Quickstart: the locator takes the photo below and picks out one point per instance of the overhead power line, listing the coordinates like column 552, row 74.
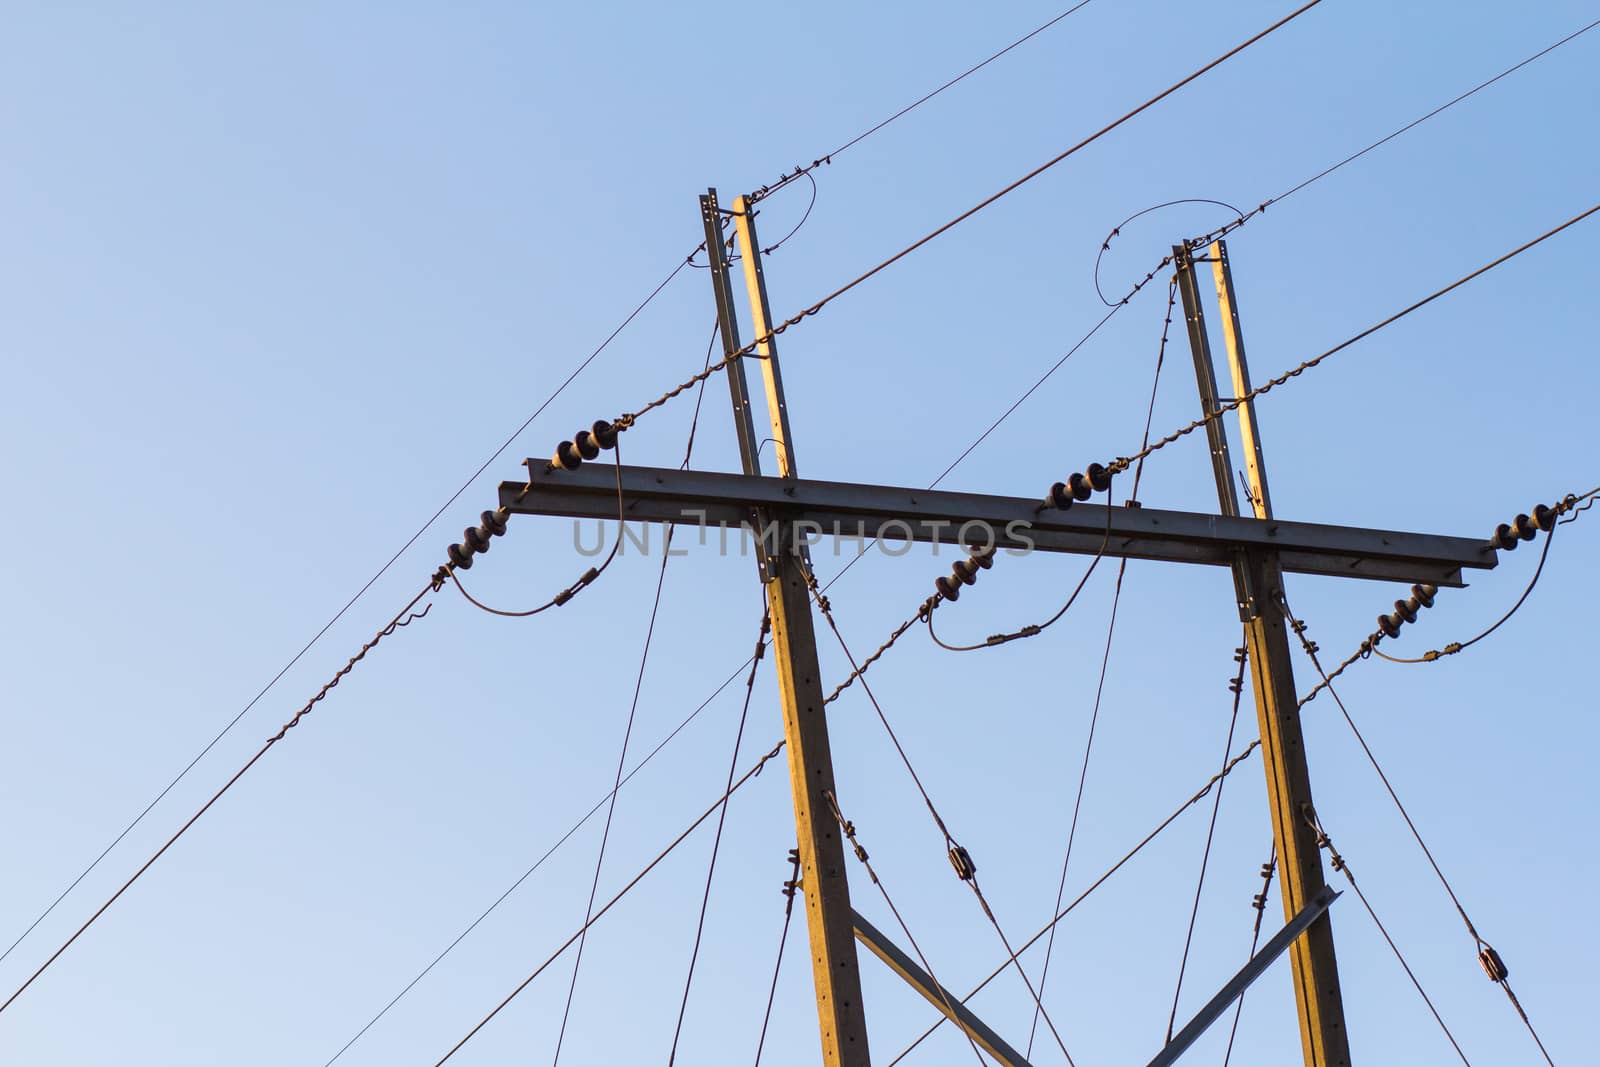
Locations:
column 600, row 912
column 628, row 419
column 1123, row 463
column 1244, row 217
column 359, row 593
column 404, row 617
column 805, row 171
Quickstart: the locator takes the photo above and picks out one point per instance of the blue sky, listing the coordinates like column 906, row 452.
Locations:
column 275, row 280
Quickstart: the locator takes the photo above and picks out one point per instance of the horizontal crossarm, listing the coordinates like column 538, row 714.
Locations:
column 729, row 501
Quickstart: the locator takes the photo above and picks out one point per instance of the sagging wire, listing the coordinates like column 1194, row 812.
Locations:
column 1122, row 463
column 476, row 540
column 1506, row 537
column 600, row 913
column 402, row 618
column 1340, row 865
column 965, row 572
column 848, row 828
column 1488, row 957
column 1116, row 231
column 1096, row 884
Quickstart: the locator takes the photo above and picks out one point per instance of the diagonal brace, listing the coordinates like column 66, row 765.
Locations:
column 947, row 1002
column 1248, row 973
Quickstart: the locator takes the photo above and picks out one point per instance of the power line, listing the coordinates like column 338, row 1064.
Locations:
column 1487, row 956
column 1570, row 503
column 1414, row 123
column 1236, row 684
column 627, row 420
column 849, row 830
column 1122, row 463
column 1105, row 656
column 601, row 911
column 805, row 172
column 965, row 869
column 1259, row 903
column 528, row 873
column 716, row 842
column 1094, row 885
column 633, row 709
column 368, row 584
column 789, row 889
column 404, row 617
column 1244, row 217
column 1339, row 864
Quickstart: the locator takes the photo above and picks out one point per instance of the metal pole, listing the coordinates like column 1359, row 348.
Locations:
column 761, row 321
column 1259, row 590
column 835, row 968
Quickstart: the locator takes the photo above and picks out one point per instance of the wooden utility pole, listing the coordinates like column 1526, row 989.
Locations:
column 805, row 725
column 1258, row 584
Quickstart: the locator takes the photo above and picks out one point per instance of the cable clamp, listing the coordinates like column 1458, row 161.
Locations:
column 961, row 860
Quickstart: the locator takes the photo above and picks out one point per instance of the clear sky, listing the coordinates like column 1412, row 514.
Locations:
column 275, row 279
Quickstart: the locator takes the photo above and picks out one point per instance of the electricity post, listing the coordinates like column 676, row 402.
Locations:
column 1258, row 585
column 1258, row 548
column 794, row 642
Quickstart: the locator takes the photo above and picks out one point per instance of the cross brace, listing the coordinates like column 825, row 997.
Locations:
column 729, row 501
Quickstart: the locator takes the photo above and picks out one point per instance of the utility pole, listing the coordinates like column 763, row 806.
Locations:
column 1258, row 585
column 1258, row 547
column 805, row 725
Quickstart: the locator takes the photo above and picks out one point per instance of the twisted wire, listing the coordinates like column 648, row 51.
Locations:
column 345, row 608
column 627, row 420
column 1243, row 217
column 1122, row 463
column 402, row 618
column 805, row 172
column 1271, row 200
